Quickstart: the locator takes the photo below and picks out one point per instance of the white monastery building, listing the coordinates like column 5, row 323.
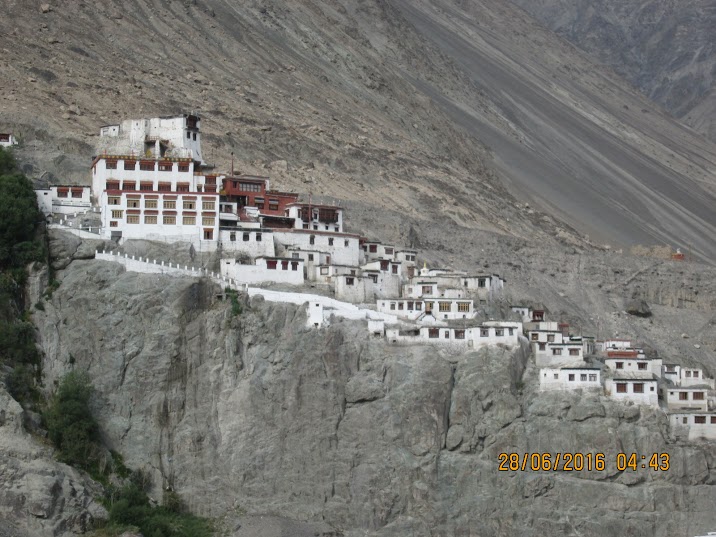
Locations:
column 639, row 388
column 7, row 139
column 571, row 377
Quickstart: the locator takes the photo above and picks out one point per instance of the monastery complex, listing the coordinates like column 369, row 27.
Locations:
column 150, row 181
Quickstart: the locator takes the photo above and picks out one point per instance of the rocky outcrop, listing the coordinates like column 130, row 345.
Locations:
column 39, row 496
column 257, row 414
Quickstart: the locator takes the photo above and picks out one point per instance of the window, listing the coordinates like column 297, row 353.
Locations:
column 164, row 187
column 133, row 204
column 117, row 214
column 374, row 277
column 619, row 365
column 459, row 334
column 392, row 306
column 208, row 206
column 324, row 271
column 550, row 338
column 284, row 265
column 165, row 166
column 592, row 377
column 463, row 307
column 683, row 396
column 312, row 239
column 713, row 420
column 641, row 366
column 389, row 251
column 183, row 168
column 621, row 388
column 76, row 193
column 112, row 185
column 395, row 269
column 688, row 374
column 418, row 305
column 373, row 248
column 130, row 165
column 447, row 334
column 194, row 136
column 113, row 200
column 571, row 377
column 345, row 243
column 111, row 164
column 699, row 420
column 169, row 220
column 542, row 346
column 133, row 219
column 484, row 332
column 410, row 306
column 189, row 220
column 330, row 242
column 556, row 375
column 534, row 336
column 129, row 185
column 208, row 235
column 444, row 306
column 574, row 352
column 189, row 205
column 638, row 387
column 698, row 396
column 557, row 352
column 427, row 289
column 271, row 264
column 310, row 257
column 400, row 305
column 433, row 333
column 114, row 223
column 583, row 377
column 696, row 374
column 250, row 187
column 294, row 265
column 384, row 265
column 684, row 420
column 170, row 204
column 499, row 332
column 512, row 331
column 146, row 166
column 182, row 187
column 481, row 282
column 150, row 219
column 246, row 237
column 150, row 204
column 146, row 186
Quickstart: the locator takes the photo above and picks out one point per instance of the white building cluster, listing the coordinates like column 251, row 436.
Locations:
column 150, row 181
column 624, row 373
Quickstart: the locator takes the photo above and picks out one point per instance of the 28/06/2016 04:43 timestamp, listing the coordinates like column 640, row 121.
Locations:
column 577, row 462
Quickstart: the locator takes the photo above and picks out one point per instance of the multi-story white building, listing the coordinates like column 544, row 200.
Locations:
column 64, row 199
column 557, row 354
column 316, row 217
column 492, row 333
column 162, row 200
column 439, row 309
column 686, row 376
column 340, row 248
column 264, row 270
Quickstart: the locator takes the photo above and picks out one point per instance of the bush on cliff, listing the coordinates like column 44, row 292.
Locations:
column 70, row 424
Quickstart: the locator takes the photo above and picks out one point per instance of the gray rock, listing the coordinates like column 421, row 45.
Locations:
column 638, row 308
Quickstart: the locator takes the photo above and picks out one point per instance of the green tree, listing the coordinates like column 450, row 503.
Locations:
column 70, row 424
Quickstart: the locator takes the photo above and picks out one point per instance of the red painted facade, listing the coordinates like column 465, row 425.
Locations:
column 250, row 191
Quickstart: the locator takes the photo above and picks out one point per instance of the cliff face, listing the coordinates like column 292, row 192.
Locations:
column 256, row 414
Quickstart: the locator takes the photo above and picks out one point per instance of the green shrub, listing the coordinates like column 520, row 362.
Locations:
column 70, row 424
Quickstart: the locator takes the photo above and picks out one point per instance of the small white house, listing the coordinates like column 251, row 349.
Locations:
column 557, row 354
column 473, row 337
column 265, row 270
column 639, row 388
column 523, row 311
column 314, row 312
column 689, row 376
column 693, row 425
column 633, row 365
column 64, row 199
column 686, row 398
column 7, row 139
column 572, row 377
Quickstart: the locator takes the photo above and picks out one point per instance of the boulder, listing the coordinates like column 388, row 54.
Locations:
column 638, row 308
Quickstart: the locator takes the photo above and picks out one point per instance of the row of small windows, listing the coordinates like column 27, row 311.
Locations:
column 637, row 387
column 460, row 334
column 147, row 166
column 166, row 219
column 572, row 377
column 246, row 237
column 189, row 205
column 76, row 193
column 462, row 307
column 331, row 241
column 161, row 187
column 307, row 226
column 272, row 264
column 699, row 420
column 684, row 396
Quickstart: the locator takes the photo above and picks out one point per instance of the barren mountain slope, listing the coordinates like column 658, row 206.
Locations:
column 665, row 48
column 387, row 103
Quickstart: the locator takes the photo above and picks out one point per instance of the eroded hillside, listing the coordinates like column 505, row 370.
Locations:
column 438, row 111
